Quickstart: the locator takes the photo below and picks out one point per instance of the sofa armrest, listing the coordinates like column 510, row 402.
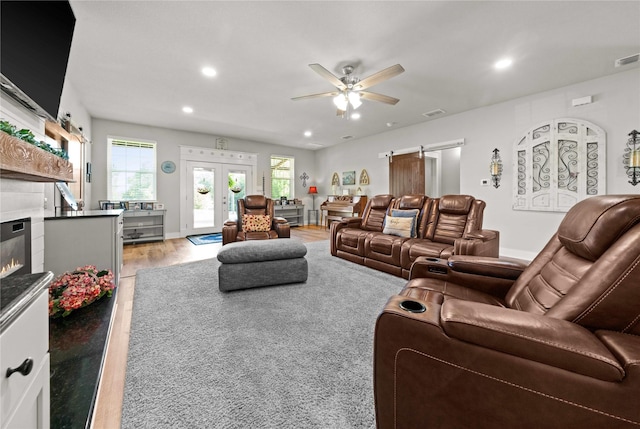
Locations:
column 485, row 242
column 229, row 232
column 350, row 222
column 279, row 220
column 550, row 341
column 281, row 227
column 505, row 268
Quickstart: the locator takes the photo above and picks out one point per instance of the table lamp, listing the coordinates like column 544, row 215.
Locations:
column 313, row 190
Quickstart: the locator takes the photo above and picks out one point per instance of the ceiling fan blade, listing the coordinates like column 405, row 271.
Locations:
column 333, row 79
column 322, row 94
column 379, row 77
column 378, row 97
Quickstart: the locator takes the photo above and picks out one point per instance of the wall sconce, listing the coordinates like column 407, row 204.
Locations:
column 496, row 168
column 390, row 156
column 631, row 158
column 421, row 150
column 313, row 190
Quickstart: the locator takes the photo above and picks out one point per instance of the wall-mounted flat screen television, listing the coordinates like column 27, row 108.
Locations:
column 35, row 41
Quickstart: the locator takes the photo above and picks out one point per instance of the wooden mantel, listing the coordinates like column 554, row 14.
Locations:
column 23, row 161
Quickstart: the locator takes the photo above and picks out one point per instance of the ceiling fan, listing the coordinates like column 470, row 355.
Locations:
column 350, row 89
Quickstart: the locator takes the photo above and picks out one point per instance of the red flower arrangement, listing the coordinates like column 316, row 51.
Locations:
column 78, row 288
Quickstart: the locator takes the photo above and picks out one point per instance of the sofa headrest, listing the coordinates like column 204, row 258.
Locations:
column 455, row 204
column 255, row 201
column 381, row 201
column 591, row 226
column 408, row 202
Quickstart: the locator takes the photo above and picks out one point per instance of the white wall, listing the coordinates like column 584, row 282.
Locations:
column 616, row 108
column 70, row 103
column 168, row 148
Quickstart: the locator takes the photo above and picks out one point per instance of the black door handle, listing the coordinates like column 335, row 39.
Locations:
column 24, row 369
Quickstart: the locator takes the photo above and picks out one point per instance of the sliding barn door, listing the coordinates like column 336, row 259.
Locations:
column 406, row 174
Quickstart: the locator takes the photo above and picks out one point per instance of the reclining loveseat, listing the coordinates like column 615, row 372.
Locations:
column 442, row 227
column 477, row 342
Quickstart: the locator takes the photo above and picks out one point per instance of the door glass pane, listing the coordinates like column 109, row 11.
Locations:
column 203, row 197
column 237, row 190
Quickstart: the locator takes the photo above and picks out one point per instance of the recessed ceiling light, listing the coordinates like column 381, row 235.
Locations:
column 187, row 109
column 391, row 124
column 503, row 63
column 209, row 71
column 355, row 116
column 308, row 133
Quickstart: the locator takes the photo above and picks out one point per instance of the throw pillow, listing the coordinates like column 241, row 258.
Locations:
column 256, row 223
column 413, row 213
column 400, row 226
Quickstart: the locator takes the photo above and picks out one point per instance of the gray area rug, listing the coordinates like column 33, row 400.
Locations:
column 290, row 356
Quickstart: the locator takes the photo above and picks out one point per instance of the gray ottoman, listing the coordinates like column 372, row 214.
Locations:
column 254, row 263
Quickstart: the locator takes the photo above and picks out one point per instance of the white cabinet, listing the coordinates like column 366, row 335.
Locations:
column 86, row 238
column 143, row 225
column 293, row 213
column 24, row 398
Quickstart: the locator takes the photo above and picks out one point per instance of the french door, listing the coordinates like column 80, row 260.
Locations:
column 211, row 194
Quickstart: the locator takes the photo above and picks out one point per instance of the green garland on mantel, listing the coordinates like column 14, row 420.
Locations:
column 27, row 136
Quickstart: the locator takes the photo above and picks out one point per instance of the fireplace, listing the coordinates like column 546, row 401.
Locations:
column 15, row 247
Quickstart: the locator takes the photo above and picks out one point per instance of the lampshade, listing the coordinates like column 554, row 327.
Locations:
column 340, row 101
column 313, row 190
column 354, row 99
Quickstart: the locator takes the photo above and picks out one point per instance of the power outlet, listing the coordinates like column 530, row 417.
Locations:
column 484, row 182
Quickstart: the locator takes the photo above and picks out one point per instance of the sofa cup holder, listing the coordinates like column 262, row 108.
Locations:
column 412, row 306
column 433, row 259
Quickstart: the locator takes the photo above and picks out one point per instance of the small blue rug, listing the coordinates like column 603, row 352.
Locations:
column 205, row 238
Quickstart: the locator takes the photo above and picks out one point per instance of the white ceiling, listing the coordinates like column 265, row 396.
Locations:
column 140, row 61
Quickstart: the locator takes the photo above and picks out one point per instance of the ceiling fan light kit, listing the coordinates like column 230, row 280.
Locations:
column 350, row 88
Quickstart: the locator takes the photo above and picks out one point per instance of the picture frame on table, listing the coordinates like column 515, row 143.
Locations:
column 146, row 206
column 158, row 206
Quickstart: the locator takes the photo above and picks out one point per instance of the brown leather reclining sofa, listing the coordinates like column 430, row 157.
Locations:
column 446, row 226
column 489, row 343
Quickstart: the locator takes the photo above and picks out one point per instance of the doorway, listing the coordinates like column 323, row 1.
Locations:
column 212, row 191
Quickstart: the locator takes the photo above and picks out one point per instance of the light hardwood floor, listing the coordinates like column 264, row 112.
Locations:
column 108, row 411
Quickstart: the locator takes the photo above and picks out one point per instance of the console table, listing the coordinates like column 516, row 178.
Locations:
column 293, row 213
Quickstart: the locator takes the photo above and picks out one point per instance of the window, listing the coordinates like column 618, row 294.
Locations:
column 132, row 170
column 282, row 175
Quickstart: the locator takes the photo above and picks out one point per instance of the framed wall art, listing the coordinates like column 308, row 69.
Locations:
column 348, row 178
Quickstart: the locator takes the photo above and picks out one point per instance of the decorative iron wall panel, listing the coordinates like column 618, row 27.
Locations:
column 558, row 163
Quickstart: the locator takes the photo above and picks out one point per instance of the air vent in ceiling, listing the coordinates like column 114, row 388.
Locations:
column 434, row 113
column 347, row 137
column 627, row 60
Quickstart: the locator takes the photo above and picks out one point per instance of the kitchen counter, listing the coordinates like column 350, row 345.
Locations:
column 17, row 292
column 85, row 214
column 78, row 345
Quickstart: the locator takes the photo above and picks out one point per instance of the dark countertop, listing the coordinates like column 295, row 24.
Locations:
column 77, row 347
column 17, row 292
column 85, row 213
